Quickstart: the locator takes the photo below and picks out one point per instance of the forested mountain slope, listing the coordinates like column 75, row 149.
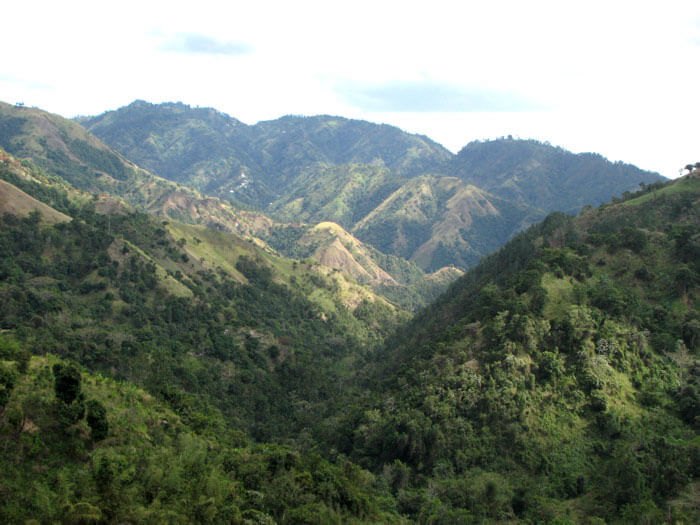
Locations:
column 189, row 312
column 232, row 343
column 555, row 382
column 256, row 164
column 66, row 150
column 545, row 177
column 325, row 168
column 62, row 147
column 558, row 378
column 79, row 447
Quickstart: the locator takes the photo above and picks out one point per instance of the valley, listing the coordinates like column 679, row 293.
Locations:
column 324, row 320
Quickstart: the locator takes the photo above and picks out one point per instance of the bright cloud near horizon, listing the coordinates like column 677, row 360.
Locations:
column 618, row 78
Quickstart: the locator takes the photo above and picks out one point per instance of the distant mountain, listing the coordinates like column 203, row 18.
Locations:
column 202, row 148
column 220, row 155
column 393, row 277
column 58, row 146
column 362, row 176
column 437, row 221
column 289, row 145
column 545, row 177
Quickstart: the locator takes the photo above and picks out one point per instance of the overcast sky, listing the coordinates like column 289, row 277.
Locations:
column 618, row 78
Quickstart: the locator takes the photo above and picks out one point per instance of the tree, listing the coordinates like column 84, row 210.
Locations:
column 97, row 420
column 70, row 406
column 67, row 382
column 7, row 383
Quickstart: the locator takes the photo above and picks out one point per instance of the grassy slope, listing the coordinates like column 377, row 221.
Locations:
column 16, row 202
column 434, row 221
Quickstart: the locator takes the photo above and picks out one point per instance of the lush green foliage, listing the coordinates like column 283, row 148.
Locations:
column 556, row 382
column 96, row 292
column 148, row 466
column 545, row 177
column 371, row 179
column 257, row 164
column 558, row 377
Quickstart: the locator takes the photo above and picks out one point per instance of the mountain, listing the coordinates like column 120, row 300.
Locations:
column 231, row 342
column 57, row 146
column 545, row 177
column 200, row 147
column 438, row 221
column 228, row 322
column 325, row 168
column 153, row 369
column 221, row 156
column 62, row 148
column 559, row 377
column 433, row 221
column 393, row 277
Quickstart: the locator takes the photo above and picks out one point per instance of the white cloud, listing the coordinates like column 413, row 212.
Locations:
column 618, row 77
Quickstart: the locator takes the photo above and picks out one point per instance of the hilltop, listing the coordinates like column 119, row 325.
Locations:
column 65, row 150
column 328, row 168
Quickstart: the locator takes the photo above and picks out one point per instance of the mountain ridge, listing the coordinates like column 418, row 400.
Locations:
column 46, row 137
column 329, row 168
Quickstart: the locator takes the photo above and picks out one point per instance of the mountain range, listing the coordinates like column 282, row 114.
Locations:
column 167, row 355
column 62, row 147
column 403, row 193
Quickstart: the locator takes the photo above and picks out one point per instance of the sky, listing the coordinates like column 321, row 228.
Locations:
column 617, row 78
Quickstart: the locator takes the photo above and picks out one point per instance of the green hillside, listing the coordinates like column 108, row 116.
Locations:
column 175, row 367
column 438, row 221
column 325, row 168
column 558, row 380
column 44, row 138
column 224, row 319
column 545, row 177
column 61, row 148
column 84, row 448
column 221, row 156
column 200, row 147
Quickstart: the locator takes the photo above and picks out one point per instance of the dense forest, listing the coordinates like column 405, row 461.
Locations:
column 402, row 193
column 153, row 370
column 557, row 381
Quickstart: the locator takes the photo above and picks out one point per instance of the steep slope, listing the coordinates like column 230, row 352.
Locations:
column 63, row 148
column 130, row 459
column 228, row 322
column 16, row 202
column 47, row 134
column 545, row 177
column 200, row 147
column 323, row 168
column 221, row 156
column 395, row 278
column 338, row 193
column 437, row 221
column 335, row 248
column 557, row 380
